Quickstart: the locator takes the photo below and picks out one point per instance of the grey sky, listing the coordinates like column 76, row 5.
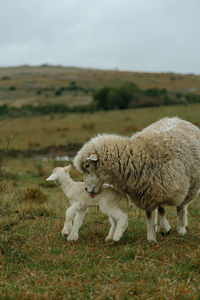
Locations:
column 138, row 35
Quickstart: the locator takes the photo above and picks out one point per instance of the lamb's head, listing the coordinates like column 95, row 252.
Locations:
column 59, row 173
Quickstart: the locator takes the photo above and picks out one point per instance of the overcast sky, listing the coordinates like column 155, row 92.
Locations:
column 137, row 35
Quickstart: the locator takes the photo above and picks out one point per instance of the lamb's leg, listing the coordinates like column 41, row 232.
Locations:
column 162, row 225
column 112, row 229
column 181, row 218
column 151, row 236
column 70, row 214
column 78, row 221
column 122, row 223
column 111, row 209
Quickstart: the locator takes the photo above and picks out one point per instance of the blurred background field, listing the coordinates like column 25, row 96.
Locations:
column 73, row 86
column 35, row 261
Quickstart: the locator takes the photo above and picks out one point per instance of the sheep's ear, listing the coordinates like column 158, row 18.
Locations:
column 93, row 157
column 67, row 169
column 52, row 177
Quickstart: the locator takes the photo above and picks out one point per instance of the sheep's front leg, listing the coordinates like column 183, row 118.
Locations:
column 151, row 236
column 70, row 214
column 112, row 229
column 162, row 225
column 78, row 221
column 181, row 219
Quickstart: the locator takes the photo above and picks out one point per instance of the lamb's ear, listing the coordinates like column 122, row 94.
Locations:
column 93, row 157
column 67, row 169
column 52, row 177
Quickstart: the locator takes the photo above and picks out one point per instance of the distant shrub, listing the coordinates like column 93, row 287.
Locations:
column 73, row 86
column 58, row 92
column 4, row 110
column 115, row 98
column 178, row 95
column 12, row 88
column 155, row 92
column 5, row 78
column 101, row 97
column 192, row 98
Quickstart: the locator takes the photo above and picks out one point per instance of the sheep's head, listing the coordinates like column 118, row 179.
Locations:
column 93, row 183
column 58, row 173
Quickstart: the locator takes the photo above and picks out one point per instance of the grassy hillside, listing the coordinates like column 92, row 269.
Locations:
column 44, row 85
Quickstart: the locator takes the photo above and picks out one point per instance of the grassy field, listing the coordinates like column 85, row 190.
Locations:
column 40, row 132
column 38, row 263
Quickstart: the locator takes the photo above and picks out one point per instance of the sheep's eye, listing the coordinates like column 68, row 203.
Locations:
column 87, row 167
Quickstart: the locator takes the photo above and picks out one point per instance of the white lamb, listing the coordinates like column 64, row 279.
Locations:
column 107, row 201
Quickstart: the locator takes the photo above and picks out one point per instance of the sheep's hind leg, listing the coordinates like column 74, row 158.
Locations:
column 181, row 219
column 151, row 236
column 112, row 229
column 162, row 225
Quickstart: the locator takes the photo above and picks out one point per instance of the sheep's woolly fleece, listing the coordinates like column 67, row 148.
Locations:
column 158, row 166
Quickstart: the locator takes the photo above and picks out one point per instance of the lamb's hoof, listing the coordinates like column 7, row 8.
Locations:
column 116, row 238
column 165, row 233
column 72, row 238
column 152, row 240
column 64, row 234
column 108, row 239
column 115, row 243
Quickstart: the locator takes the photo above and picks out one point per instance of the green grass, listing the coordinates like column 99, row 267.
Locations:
column 36, row 262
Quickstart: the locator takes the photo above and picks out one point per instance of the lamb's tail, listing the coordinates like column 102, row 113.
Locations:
column 129, row 203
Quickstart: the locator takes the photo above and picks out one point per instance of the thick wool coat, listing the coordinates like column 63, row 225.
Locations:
column 158, row 166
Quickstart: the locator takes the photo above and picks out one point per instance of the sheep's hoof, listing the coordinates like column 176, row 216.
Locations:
column 181, row 230
column 165, row 233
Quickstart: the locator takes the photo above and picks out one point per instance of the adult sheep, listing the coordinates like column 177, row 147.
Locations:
column 156, row 167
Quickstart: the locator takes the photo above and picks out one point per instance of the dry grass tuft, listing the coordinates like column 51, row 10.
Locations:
column 33, row 194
